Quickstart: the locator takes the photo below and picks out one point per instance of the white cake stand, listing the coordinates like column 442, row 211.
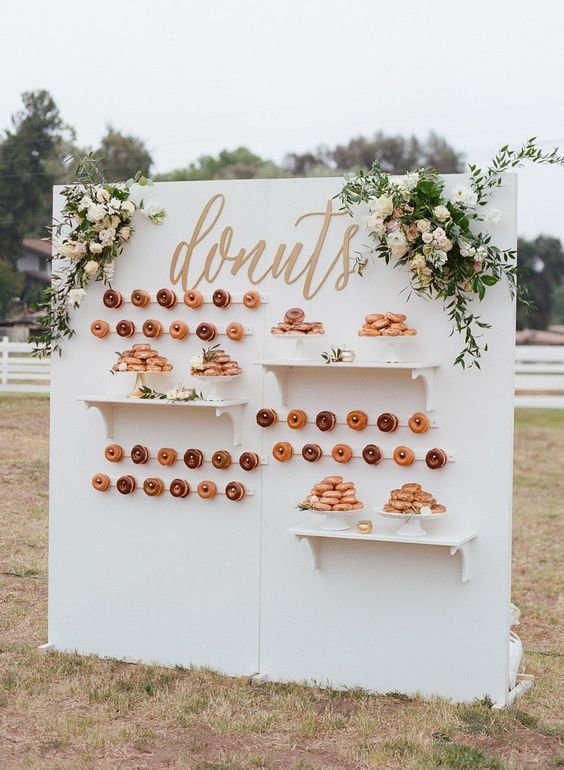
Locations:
column 410, row 522
column 297, row 348
column 334, row 520
column 389, row 347
column 219, row 385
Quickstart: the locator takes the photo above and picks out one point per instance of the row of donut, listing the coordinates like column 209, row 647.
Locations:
column 434, row 459
column 357, row 420
column 193, row 458
column 154, row 487
column 167, row 298
column 178, row 330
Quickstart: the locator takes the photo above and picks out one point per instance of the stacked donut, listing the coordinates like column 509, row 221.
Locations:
column 216, row 363
column 333, row 494
column 386, row 325
column 412, row 498
column 294, row 323
column 141, row 358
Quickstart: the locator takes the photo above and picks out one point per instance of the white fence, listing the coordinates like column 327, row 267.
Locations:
column 20, row 371
column 539, row 373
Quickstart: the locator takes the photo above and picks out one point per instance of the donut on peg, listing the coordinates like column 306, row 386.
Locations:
column 140, row 298
column 193, row 458
column 125, row 485
column 166, row 298
column 125, row 328
column 139, row 454
column 312, row 452
column 152, row 328
column 166, row 456
column 404, row 456
column 251, row 299
column 207, row 489
column 357, row 420
column 326, row 421
column 179, row 488
column 296, row 419
column 342, row 453
column 294, row 315
column 436, row 458
column 100, row 482
column 221, row 298
column 372, row 454
column 387, row 422
column 206, row 331
column 113, row 453
column 235, row 491
column 178, row 330
column 249, row 461
column 266, row 417
column 153, row 487
column 419, row 422
column 282, row 451
column 221, row 459
column 112, row 299
column 235, row 331
column 100, row 328
column 193, row 298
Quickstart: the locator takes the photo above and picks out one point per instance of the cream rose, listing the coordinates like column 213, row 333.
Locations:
column 95, row 248
column 423, row 225
column 91, row 266
column 397, row 243
column 441, row 213
column 383, row 206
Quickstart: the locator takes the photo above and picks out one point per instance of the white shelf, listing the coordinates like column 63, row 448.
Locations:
column 282, row 367
column 106, row 404
column 455, row 541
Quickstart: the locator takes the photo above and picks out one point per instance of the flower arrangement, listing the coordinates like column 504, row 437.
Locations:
column 181, row 394
column 207, row 356
column 438, row 239
column 335, row 356
column 96, row 224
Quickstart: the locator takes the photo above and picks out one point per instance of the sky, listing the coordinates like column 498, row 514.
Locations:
column 193, row 78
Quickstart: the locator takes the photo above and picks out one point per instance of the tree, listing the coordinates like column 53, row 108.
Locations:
column 11, row 285
column 27, row 173
column 543, row 261
column 122, row 156
column 229, row 164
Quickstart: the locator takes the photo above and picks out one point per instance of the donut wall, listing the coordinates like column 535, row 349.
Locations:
column 224, row 531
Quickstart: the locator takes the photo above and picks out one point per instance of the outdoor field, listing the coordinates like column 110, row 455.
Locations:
column 77, row 713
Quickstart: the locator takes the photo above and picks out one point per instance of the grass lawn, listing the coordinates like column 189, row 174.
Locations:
column 76, row 713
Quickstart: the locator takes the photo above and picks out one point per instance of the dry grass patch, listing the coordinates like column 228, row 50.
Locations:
column 70, row 712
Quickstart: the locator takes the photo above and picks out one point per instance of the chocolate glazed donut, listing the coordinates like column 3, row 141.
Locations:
column 125, row 328
column 193, row 458
column 179, row 488
column 235, row 491
column 139, row 454
column 206, row 332
column 436, row 458
column 249, row 461
column 312, row 452
column 221, row 298
column 126, row 485
column 387, row 422
column 266, row 417
column 325, row 421
column 221, row 459
column 372, row 454
column 166, row 298
column 112, row 298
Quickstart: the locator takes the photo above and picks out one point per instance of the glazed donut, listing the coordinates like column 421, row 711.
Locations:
column 235, row 491
column 296, row 419
column 419, row 422
column 166, row 298
column 193, row 458
column 178, row 330
column 235, row 331
column 140, row 298
column 282, row 451
column 326, row 421
column 436, row 458
column 251, row 299
column 179, row 488
column 294, row 315
column 101, row 482
column 100, row 329
column 112, row 298
column 166, row 456
column 387, row 422
column 193, row 298
column 221, row 298
column 403, row 455
column 266, row 417
column 152, row 328
column 342, row 453
column 206, row 332
column 126, row 485
column 207, row 489
column 221, row 459
column 125, row 328
column 372, row 454
column 139, row 454
column 153, row 487
column 357, row 420
column 113, row 453
column 249, row 461
column 312, row 452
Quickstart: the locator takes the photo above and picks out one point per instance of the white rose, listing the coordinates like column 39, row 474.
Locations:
column 471, row 198
column 74, row 297
column 114, row 222
column 85, row 203
column 154, row 211
column 383, row 206
column 197, row 362
column 96, row 213
column 397, row 243
column 441, row 213
column 427, row 237
column 128, row 207
column 107, row 236
column 115, row 204
column 439, row 257
column 66, row 250
column 95, row 248
column 494, row 216
column 438, row 233
column 423, row 225
column 125, row 233
column 410, row 180
column 173, row 395
column 375, row 224
column 445, row 244
column 91, row 266
column 102, row 195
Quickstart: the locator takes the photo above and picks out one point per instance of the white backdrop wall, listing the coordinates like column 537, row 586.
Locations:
column 223, row 584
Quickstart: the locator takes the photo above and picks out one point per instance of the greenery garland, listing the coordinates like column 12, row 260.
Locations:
column 413, row 224
column 96, row 224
